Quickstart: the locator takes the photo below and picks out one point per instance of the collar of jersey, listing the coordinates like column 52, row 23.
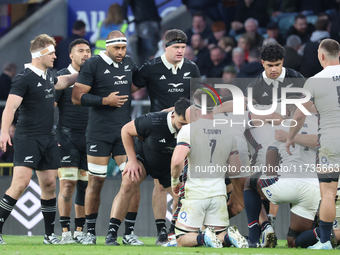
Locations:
column 107, row 59
column 36, row 70
column 171, row 128
column 270, row 81
column 71, row 69
column 171, row 66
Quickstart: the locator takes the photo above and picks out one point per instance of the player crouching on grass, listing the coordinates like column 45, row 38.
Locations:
column 203, row 197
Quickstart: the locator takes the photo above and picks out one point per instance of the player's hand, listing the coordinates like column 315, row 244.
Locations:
column 175, row 189
column 236, row 25
column 133, row 170
column 289, row 143
column 4, row 139
column 114, row 100
column 281, row 135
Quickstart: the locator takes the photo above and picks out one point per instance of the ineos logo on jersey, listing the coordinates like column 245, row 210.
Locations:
column 175, row 89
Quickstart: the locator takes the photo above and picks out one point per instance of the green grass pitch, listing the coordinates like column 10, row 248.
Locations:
column 33, row 245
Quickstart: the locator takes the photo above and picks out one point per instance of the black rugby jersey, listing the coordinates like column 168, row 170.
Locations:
column 104, row 76
column 70, row 115
column 262, row 92
column 158, row 139
column 164, row 87
column 36, row 112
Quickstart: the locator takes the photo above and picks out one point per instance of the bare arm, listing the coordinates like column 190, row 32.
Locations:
column 272, row 160
column 65, row 81
column 308, row 140
column 80, row 96
column 134, row 88
column 133, row 169
column 12, row 104
column 300, row 118
column 177, row 165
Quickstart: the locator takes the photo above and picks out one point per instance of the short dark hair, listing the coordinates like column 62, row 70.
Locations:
column 78, row 25
column 200, row 14
column 76, row 42
column 299, row 16
column 321, row 24
column 181, row 106
column 272, row 52
column 175, row 34
column 331, row 46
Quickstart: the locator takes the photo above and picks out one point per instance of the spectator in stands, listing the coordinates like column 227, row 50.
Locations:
column 217, row 57
column 238, row 58
column 227, row 44
column 293, row 59
column 210, row 8
column 189, row 53
column 245, row 42
column 314, row 7
column 63, row 59
column 229, row 74
column 201, row 52
column 301, row 28
column 251, row 26
column 10, row 69
column 218, row 29
column 147, row 27
column 277, row 8
column 199, row 26
column 113, row 21
column 251, row 69
column 273, row 32
column 310, row 59
column 268, row 40
column 249, row 9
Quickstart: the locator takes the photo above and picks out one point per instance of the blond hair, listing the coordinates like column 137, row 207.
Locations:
column 41, row 41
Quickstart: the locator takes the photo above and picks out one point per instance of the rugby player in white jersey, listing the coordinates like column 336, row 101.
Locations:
column 325, row 93
column 204, row 201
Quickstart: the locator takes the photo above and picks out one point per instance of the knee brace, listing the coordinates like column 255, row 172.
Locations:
column 68, row 173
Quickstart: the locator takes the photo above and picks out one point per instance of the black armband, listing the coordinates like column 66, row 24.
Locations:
column 91, row 100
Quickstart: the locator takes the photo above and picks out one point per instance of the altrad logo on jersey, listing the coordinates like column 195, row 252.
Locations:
column 175, row 87
column 120, row 82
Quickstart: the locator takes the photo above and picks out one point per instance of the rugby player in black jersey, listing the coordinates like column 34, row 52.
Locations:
column 35, row 146
column 72, row 150
column 151, row 155
column 105, row 84
column 274, row 76
column 167, row 78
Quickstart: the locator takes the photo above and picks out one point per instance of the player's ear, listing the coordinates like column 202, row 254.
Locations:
column 71, row 56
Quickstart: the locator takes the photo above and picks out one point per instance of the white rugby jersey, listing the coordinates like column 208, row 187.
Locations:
column 325, row 91
column 301, row 164
column 209, row 149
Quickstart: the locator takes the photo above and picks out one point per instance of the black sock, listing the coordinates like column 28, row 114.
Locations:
column 226, row 240
column 325, row 230
column 200, row 239
column 160, row 223
column 65, row 223
column 172, row 226
column 252, row 202
column 79, row 223
column 49, row 209
column 264, row 225
column 130, row 220
column 91, row 223
column 6, row 206
column 114, row 226
column 307, row 238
